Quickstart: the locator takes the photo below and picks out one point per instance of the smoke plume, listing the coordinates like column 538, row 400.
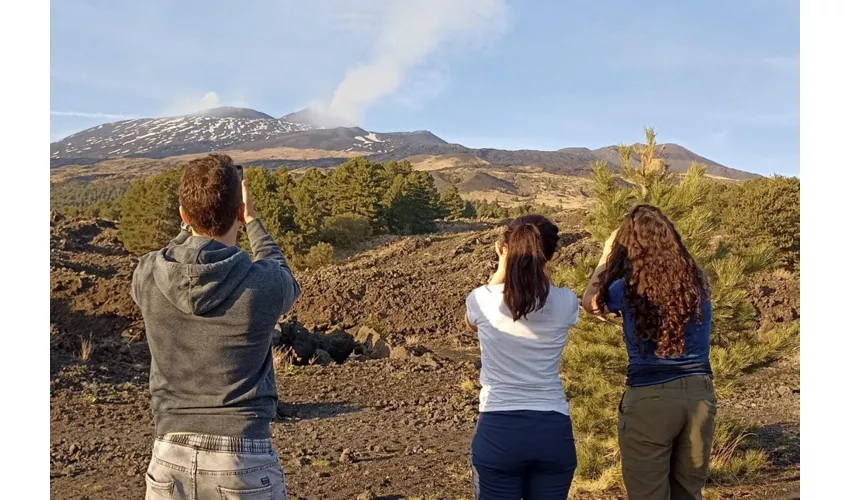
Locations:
column 410, row 32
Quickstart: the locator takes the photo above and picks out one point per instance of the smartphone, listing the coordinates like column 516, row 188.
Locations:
column 239, row 172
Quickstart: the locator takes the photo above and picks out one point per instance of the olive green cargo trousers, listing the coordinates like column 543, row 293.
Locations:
column 665, row 435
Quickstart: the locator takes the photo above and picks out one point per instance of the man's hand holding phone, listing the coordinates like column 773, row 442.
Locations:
column 247, row 214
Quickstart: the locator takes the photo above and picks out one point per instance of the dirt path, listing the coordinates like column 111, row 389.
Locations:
column 406, row 424
column 407, row 427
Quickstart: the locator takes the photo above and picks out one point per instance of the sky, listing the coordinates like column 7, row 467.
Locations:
column 720, row 78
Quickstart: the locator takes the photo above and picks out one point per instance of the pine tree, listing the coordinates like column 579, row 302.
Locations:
column 469, row 210
column 285, row 187
column 356, row 187
column 412, row 203
column 309, row 201
column 263, row 187
column 150, row 217
column 392, row 169
column 594, row 360
column 686, row 203
column 453, row 205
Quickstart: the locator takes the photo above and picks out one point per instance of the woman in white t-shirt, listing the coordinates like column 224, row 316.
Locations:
column 523, row 445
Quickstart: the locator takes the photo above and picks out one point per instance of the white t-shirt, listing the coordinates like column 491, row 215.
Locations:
column 520, row 360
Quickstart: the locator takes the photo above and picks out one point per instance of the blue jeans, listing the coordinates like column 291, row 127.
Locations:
column 523, row 454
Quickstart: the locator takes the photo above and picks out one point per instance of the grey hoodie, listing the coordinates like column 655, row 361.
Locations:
column 209, row 314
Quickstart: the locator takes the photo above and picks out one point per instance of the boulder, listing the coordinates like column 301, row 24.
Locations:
column 374, row 346
column 428, row 360
column 303, row 342
column 380, row 350
column 399, row 352
column 367, row 336
column 347, row 456
column 338, row 345
column 276, row 335
column 321, row 357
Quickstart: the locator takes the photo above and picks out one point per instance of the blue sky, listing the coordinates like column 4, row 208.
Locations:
column 720, row 78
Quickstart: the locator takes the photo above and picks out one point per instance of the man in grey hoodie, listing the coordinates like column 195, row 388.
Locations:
column 209, row 315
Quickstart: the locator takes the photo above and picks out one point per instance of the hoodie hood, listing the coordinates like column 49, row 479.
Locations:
column 199, row 274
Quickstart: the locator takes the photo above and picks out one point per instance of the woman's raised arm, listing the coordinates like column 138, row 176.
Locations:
column 590, row 301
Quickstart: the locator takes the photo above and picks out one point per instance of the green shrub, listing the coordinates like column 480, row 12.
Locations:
column 150, row 217
column 765, row 211
column 752, row 350
column 84, row 194
column 320, row 255
column 346, row 230
column 101, row 199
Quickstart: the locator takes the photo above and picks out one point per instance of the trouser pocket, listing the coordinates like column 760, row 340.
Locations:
column 157, row 489
column 265, row 493
column 258, row 483
column 621, row 417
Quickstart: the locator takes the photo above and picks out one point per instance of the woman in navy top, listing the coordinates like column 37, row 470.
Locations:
column 666, row 415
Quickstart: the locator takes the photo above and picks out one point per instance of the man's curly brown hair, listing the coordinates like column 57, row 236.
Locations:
column 664, row 287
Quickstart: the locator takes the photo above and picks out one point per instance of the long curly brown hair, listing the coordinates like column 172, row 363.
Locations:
column 664, row 287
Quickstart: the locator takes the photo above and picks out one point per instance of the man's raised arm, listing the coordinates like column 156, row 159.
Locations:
column 264, row 247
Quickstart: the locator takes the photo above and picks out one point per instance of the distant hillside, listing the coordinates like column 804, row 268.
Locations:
column 248, row 130
column 679, row 159
column 212, row 130
column 481, row 181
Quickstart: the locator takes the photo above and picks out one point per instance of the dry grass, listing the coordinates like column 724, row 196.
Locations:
column 731, row 459
column 783, row 274
column 320, row 462
column 729, row 363
column 459, row 473
column 282, row 359
column 412, row 340
column 375, row 323
column 86, row 348
column 710, row 494
column 468, row 386
column 606, row 480
column 592, row 370
column 429, row 163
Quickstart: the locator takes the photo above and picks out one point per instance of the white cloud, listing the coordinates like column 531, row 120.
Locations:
column 184, row 106
column 86, row 114
column 210, row 100
column 408, row 33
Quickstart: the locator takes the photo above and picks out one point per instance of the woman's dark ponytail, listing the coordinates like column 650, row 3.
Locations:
column 531, row 241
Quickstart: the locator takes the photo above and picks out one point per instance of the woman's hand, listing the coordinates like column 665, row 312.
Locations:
column 608, row 247
column 590, row 301
column 499, row 276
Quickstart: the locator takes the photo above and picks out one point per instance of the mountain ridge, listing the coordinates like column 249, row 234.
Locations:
column 245, row 129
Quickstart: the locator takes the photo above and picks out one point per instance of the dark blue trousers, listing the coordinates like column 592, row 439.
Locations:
column 523, row 454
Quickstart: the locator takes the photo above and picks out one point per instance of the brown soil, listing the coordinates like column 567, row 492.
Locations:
column 407, row 423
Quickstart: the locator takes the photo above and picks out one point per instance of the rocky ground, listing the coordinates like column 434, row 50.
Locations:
column 395, row 427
